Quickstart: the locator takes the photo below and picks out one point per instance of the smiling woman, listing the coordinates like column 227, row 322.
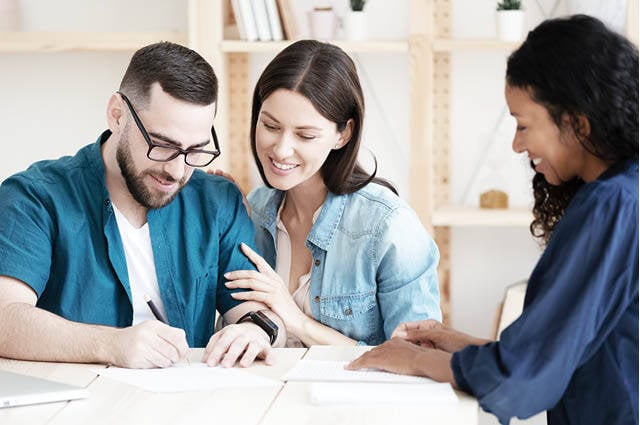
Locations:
column 573, row 88
column 346, row 259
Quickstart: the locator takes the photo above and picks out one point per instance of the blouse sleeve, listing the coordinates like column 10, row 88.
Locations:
column 576, row 295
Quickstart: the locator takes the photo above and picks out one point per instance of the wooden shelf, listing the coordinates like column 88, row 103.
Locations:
column 240, row 46
column 469, row 216
column 82, row 41
column 454, row 45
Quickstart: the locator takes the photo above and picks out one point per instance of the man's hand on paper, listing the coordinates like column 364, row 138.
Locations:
column 267, row 288
column 243, row 342
column 432, row 334
column 149, row 344
column 403, row 357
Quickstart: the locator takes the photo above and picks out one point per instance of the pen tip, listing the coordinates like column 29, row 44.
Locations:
column 147, row 298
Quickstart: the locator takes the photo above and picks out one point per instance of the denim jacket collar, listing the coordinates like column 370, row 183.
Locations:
column 269, row 214
column 323, row 230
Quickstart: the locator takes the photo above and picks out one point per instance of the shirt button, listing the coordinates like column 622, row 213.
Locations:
column 347, row 312
column 106, row 202
column 317, row 263
column 317, row 298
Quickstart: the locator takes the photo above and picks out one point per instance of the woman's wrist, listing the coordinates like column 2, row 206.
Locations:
column 298, row 325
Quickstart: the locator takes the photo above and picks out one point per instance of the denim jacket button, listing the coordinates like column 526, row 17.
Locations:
column 317, row 298
column 317, row 263
column 347, row 312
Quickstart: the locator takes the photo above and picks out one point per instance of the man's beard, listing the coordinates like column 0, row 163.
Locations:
column 135, row 181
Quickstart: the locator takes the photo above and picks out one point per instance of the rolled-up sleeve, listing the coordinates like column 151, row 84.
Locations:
column 25, row 233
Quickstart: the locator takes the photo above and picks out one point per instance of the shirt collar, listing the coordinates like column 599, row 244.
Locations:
column 325, row 225
column 324, row 229
column 270, row 213
column 96, row 163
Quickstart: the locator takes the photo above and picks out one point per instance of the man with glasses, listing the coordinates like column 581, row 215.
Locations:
column 117, row 255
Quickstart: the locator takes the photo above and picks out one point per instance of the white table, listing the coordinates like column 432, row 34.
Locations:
column 112, row 402
column 69, row 373
column 293, row 405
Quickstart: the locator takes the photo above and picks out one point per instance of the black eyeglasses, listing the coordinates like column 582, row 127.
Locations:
column 164, row 153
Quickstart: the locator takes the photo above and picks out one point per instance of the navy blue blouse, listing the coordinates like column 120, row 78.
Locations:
column 574, row 350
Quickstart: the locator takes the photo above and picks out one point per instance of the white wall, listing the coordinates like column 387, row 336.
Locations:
column 53, row 103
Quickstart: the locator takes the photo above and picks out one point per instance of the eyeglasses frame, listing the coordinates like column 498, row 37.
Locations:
column 178, row 151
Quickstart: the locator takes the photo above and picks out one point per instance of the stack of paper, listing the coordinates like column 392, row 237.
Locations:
column 374, row 393
column 194, row 377
column 323, row 371
column 333, row 384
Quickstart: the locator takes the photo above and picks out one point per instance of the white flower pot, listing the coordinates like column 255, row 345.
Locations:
column 509, row 24
column 322, row 24
column 9, row 15
column 355, row 25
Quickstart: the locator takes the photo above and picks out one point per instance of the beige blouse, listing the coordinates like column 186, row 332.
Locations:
column 283, row 268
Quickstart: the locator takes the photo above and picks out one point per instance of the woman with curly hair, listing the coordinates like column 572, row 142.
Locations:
column 573, row 88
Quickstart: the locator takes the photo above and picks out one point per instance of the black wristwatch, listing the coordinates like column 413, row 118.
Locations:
column 261, row 319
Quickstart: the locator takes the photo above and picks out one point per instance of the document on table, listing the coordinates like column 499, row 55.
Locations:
column 193, row 377
column 333, row 371
column 376, row 393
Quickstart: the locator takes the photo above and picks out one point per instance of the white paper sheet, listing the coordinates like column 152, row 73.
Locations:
column 332, row 371
column 183, row 377
column 376, row 393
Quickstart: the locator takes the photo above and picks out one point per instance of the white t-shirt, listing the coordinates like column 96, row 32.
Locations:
column 141, row 268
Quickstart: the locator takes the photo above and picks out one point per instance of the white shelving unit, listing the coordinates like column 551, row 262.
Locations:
column 428, row 47
column 239, row 46
column 42, row 42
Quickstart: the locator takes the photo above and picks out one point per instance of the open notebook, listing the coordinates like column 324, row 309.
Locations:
column 18, row 390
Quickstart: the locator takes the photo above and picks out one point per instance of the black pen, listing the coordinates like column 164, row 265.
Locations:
column 154, row 309
column 158, row 316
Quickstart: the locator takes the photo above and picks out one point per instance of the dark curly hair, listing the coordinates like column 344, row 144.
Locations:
column 576, row 66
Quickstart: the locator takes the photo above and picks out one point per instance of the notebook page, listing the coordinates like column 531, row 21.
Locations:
column 333, row 371
column 183, row 377
column 376, row 393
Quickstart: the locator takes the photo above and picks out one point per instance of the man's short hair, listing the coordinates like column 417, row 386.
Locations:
column 180, row 71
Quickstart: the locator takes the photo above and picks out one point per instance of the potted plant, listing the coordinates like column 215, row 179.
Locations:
column 322, row 20
column 355, row 22
column 509, row 19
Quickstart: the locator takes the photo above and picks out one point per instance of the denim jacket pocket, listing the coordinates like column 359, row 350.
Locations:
column 348, row 307
column 354, row 315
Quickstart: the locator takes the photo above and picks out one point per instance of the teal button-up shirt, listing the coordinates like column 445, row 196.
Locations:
column 59, row 235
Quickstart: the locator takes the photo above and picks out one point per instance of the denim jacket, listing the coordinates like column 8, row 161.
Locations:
column 374, row 265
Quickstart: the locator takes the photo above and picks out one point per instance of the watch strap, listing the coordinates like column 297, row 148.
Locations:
column 266, row 324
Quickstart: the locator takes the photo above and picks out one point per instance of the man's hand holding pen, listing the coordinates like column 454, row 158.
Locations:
column 148, row 345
